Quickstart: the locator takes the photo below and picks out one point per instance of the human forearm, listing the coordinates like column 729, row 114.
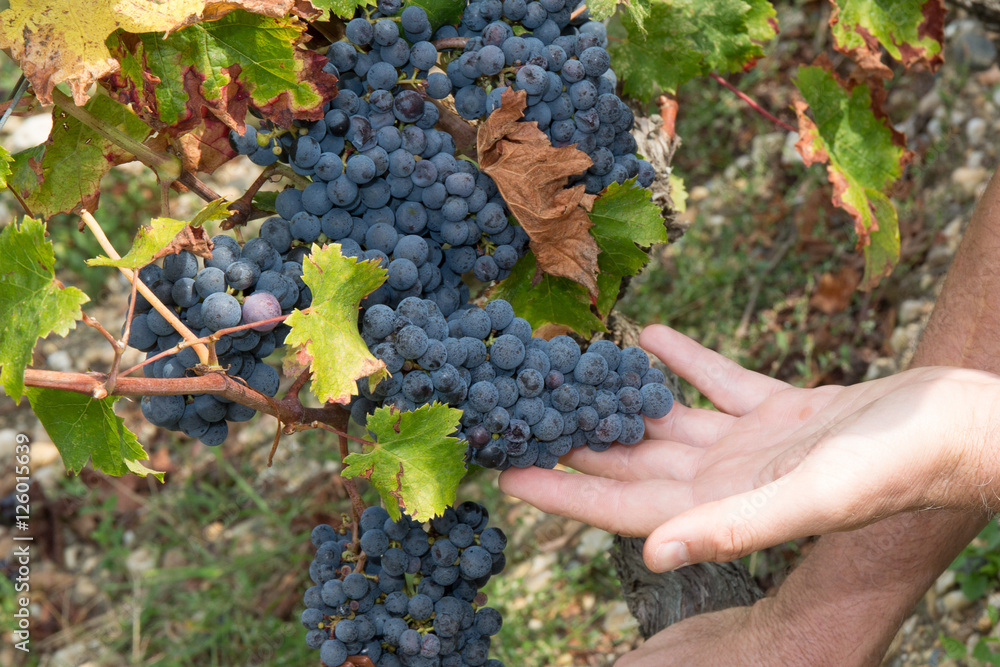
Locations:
column 861, row 585
column 854, row 590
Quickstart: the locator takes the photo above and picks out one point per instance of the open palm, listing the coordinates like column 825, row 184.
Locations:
column 773, row 463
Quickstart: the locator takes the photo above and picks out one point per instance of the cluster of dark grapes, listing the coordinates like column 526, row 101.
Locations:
column 564, row 68
column 386, row 183
column 525, row 401
column 416, row 601
column 239, row 285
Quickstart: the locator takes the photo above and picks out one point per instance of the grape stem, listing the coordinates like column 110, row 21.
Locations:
column 357, row 504
column 207, row 340
column 451, row 43
column 168, row 314
column 123, row 344
column 579, row 10
column 243, row 207
column 754, row 105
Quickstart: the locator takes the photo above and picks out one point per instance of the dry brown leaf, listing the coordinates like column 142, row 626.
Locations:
column 833, row 294
column 532, row 176
column 192, row 239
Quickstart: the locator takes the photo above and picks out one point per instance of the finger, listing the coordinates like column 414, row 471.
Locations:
column 692, row 426
column 626, row 508
column 731, row 388
column 650, row 459
column 794, row 506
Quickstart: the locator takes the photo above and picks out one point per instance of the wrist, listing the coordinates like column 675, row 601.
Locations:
column 980, row 463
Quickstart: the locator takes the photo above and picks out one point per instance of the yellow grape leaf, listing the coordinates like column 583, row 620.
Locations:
column 62, row 41
column 326, row 335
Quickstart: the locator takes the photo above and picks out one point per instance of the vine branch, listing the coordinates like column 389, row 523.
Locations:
column 244, row 205
column 214, row 382
column 167, row 313
column 753, row 104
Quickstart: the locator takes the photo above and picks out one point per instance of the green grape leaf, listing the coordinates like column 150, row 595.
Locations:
column 222, row 66
column 64, row 174
column 864, row 157
column 684, row 39
column 265, row 201
column 326, row 334
column 149, row 241
column 440, row 12
column 762, row 20
column 602, row 9
column 415, row 463
column 911, row 31
column 5, row 170
column 213, row 211
column 343, row 8
column 553, row 300
column 32, row 302
column 623, row 216
column 85, row 428
column 954, row 648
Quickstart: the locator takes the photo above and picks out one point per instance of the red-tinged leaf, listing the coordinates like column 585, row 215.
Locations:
column 532, row 175
column 65, row 173
column 912, row 31
column 864, row 156
column 222, row 67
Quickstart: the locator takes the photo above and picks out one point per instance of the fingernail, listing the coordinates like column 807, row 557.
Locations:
column 671, row 556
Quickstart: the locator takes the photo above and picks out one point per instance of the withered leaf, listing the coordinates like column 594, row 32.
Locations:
column 192, row 239
column 532, row 176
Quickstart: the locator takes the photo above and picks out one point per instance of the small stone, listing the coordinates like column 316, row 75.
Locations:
column 975, row 159
column 973, row 49
column 975, row 131
column 929, row 103
column 968, row 179
column 43, row 453
column 954, row 601
column 882, row 367
column 984, row 623
column 945, row 582
column 789, row 155
column 618, row 619
column 698, row 193
column 60, row 361
column 593, row 543
column 8, row 443
column 934, row 128
column 764, row 147
column 32, row 131
column 141, row 560
column 911, row 310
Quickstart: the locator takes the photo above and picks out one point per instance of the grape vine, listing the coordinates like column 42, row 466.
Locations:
column 457, row 179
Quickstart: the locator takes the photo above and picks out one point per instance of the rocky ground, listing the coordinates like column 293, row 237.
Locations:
column 130, row 572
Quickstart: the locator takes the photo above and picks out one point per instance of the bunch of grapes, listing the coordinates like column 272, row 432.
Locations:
column 387, row 186
column 409, row 594
column 239, row 285
column 525, row 401
column 564, row 69
column 386, row 183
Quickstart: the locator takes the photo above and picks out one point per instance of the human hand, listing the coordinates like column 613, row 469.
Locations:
column 776, row 462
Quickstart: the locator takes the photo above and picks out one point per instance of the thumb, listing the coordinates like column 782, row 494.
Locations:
column 790, row 507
